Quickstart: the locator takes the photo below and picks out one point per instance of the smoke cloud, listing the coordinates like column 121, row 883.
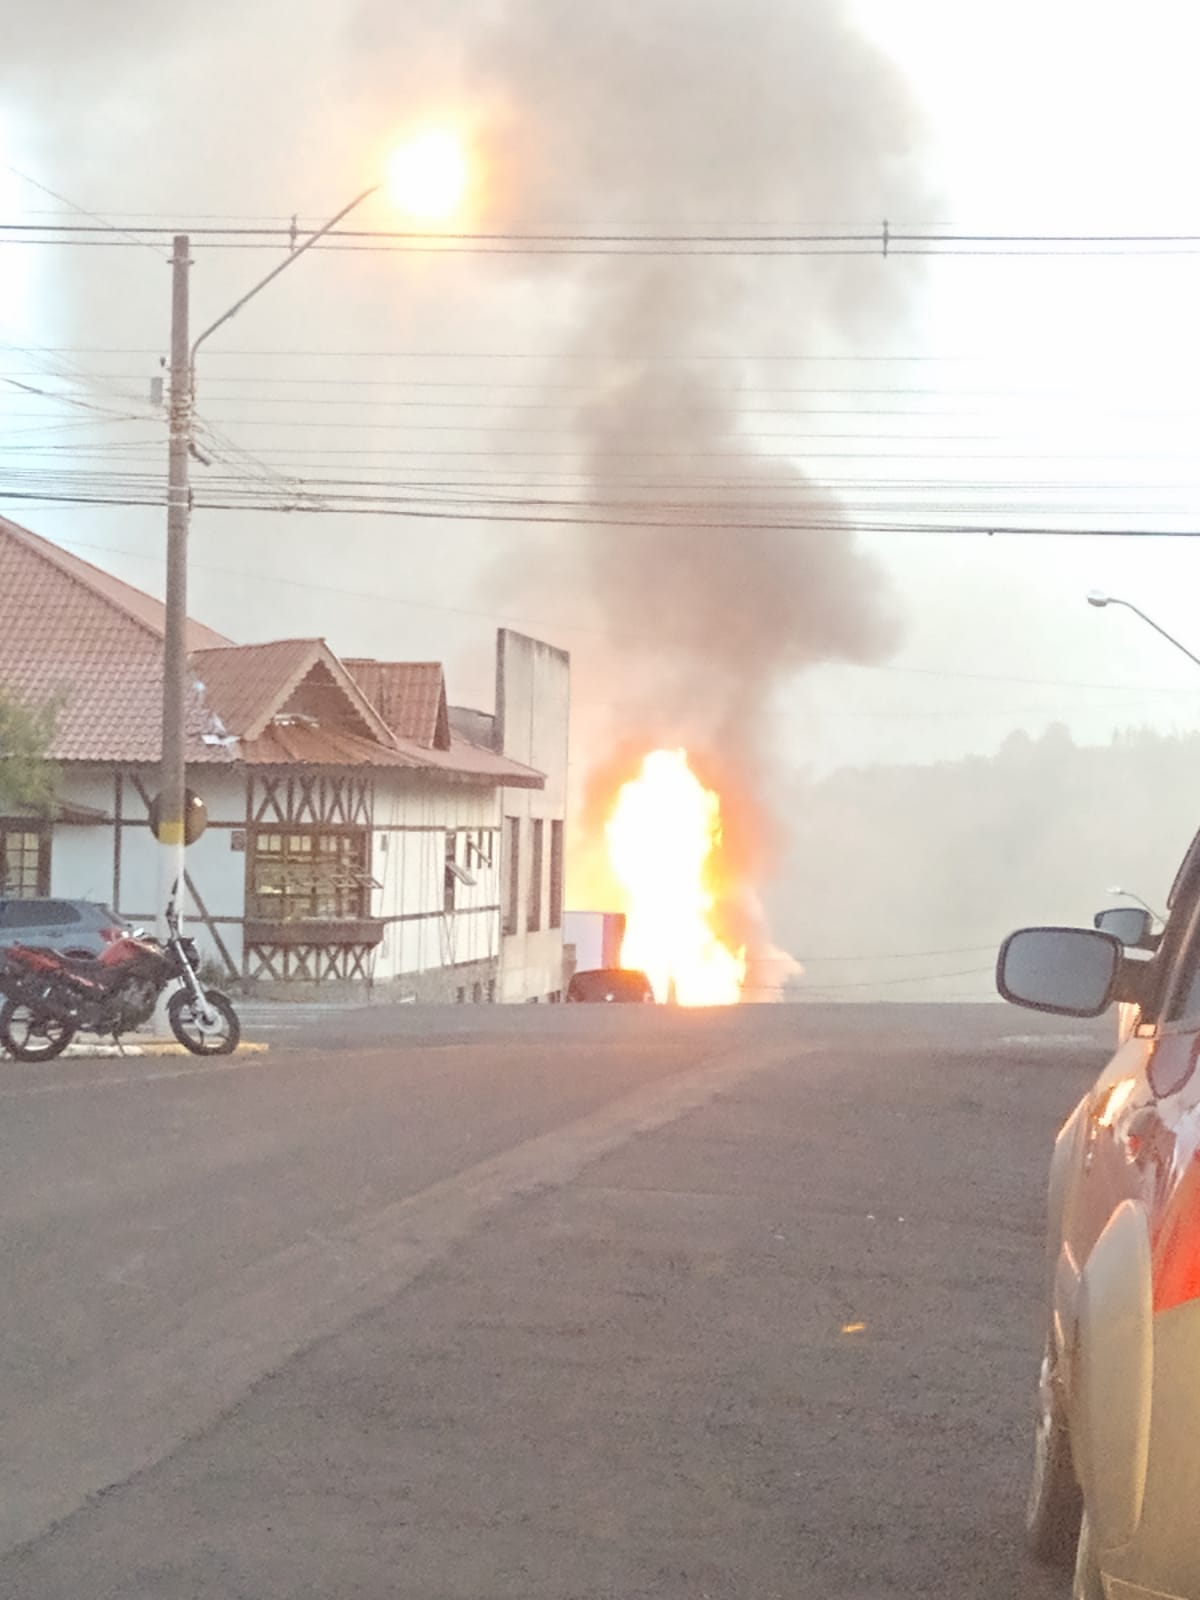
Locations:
column 665, row 371
column 687, row 114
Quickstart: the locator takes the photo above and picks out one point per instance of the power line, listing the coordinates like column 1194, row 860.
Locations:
column 875, row 236
column 570, row 626
column 80, row 210
column 388, row 506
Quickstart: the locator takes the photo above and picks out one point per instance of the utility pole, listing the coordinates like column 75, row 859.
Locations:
column 174, row 701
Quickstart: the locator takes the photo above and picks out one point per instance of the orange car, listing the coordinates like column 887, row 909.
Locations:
column 1116, row 1479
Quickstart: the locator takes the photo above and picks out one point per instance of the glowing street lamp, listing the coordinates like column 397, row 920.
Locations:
column 427, row 178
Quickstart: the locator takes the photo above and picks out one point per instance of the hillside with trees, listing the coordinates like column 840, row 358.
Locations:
column 924, row 869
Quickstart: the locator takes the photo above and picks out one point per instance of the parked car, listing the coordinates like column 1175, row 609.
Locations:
column 72, row 927
column 611, row 984
column 1117, row 1442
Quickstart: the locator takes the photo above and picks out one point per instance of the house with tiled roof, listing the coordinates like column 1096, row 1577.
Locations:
column 354, row 834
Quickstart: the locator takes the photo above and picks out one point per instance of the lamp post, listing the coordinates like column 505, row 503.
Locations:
column 1097, row 597
column 180, row 447
column 1129, row 894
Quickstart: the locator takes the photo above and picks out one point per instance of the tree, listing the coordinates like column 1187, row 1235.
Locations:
column 29, row 780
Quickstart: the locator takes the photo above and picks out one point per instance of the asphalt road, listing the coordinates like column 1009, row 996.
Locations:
column 561, row 1303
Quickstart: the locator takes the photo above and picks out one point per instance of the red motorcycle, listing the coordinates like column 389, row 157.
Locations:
column 49, row 998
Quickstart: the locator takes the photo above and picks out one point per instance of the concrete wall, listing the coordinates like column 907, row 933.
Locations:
column 533, row 699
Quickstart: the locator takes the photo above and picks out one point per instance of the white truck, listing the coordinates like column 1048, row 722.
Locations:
column 597, row 937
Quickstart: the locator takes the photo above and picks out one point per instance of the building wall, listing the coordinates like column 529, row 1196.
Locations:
column 82, row 854
column 431, row 949
column 117, row 861
column 412, row 822
column 533, row 696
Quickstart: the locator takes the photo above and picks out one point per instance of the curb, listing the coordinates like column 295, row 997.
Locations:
column 152, row 1047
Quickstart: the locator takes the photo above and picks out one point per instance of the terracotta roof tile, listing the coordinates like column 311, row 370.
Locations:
column 247, row 685
column 285, row 744
column 410, row 696
column 244, row 684
column 139, row 606
column 72, row 633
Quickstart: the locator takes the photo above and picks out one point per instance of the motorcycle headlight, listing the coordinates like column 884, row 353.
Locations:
column 190, row 951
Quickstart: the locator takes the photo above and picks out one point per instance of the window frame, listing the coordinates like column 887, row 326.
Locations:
column 557, row 875
column 537, row 874
column 315, row 901
column 26, row 828
column 510, row 922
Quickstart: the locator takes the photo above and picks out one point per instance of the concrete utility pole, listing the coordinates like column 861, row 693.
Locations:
column 175, row 652
column 174, row 700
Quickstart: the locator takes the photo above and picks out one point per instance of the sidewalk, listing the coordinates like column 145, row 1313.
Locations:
column 780, row 1348
column 142, row 1044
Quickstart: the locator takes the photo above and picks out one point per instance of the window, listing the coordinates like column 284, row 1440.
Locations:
column 24, row 862
column 533, row 919
column 449, row 877
column 512, row 893
column 556, row 873
column 33, row 913
column 479, row 847
column 309, row 875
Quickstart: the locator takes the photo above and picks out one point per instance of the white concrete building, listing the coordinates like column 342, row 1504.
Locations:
column 353, row 835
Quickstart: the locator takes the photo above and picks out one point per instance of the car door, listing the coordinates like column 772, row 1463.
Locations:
column 1163, row 1142
column 1132, row 1239
column 1127, row 1122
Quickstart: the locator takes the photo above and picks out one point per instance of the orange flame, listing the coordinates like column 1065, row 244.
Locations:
column 662, row 833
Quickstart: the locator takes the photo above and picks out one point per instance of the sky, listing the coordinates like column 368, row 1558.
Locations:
column 969, row 387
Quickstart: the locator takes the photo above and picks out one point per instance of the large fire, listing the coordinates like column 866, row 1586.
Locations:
column 662, row 835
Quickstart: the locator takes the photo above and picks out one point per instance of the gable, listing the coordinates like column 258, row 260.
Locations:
column 251, row 686
column 321, row 701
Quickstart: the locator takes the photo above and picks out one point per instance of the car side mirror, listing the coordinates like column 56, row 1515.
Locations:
column 1071, row 972
column 1130, row 924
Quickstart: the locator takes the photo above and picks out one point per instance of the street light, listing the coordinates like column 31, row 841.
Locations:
column 1128, row 894
column 428, row 176
column 1097, row 597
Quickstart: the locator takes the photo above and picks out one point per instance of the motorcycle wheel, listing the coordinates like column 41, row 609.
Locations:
column 220, row 1039
column 29, row 1036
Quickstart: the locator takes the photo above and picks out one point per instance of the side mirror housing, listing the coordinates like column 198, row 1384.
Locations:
column 1071, row 972
column 1130, row 924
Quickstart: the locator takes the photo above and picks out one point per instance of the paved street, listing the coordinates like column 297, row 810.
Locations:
column 554, row 1303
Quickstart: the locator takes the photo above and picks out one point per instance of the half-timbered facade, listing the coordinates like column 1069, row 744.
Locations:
column 353, row 836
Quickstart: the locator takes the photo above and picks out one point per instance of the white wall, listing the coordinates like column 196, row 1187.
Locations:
column 82, row 857
column 81, row 854
column 533, row 701
column 412, row 818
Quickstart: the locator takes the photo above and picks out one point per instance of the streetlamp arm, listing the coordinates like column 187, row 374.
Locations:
column 1170, row 638
column 275, row 271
